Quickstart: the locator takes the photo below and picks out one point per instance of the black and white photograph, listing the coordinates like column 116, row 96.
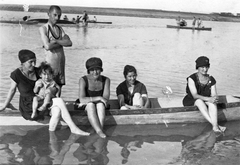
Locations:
column 119, row 82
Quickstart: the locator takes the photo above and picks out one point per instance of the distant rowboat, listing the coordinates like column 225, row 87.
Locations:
column 164, row 110
column 190, row 28
column 67, row 22
column 19, row 22
column 42, row 20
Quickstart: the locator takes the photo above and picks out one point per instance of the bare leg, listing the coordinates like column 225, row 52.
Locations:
column 53, row 141
column 93, row 119
column 124, row 108
column 46, row 102
column 205, row 112
column 101, row 113
column 61, row 110
column 34, row 107
column 213, row 114
column 55, row 117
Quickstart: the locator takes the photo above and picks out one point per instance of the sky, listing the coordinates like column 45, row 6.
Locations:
column 198, row 6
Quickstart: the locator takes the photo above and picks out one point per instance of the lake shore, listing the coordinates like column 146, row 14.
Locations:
column 147, row 13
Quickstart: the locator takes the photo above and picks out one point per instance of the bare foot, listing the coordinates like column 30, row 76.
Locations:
column 101, row 134
column 217, row 130
column 34, row 115
column 222, row 129
column 80, row 132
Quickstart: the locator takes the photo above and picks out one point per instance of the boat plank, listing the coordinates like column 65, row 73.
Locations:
column 19, row 22
column 42, row 20
column 190, row 28
column 228, row 109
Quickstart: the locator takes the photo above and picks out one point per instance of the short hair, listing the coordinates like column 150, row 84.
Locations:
column 54, row 7
column 129, row 68
column 45, row 67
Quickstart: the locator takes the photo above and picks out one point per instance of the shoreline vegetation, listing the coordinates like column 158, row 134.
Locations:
column 146, row 13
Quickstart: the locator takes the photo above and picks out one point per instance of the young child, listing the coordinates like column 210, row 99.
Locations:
column 45, row 89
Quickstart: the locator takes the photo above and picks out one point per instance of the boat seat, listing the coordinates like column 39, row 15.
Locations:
column 166, row 102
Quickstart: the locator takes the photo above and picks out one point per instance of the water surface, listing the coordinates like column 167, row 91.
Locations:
column 186, row 144
column 163, row 57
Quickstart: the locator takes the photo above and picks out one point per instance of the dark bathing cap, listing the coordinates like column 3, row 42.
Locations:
column 25, row 55
column 94, row 62
column 202, row 61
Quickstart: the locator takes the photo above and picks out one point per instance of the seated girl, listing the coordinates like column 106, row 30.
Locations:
column 131, row 93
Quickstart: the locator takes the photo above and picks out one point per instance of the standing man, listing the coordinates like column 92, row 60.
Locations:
column 54, row 39
column 85, row 18
column 194, row 22
column 199, row 23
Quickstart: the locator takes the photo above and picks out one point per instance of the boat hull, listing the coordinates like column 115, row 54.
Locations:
column 227, row 111
column 19, row 22
column 68, row 22
column 190, row 28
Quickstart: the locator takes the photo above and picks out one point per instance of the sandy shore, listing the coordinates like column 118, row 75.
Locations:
column 125, row 12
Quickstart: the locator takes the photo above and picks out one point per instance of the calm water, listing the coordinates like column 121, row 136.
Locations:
column 163, row 57
column 192, row 144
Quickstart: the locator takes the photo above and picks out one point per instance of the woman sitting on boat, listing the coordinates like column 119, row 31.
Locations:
column 23, row 79
column 201, row 92
column 94, row 93
column 132, row 94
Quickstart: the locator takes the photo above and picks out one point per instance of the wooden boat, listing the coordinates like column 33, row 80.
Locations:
column 19, row 22
column 163, row 110
column 42, row 20
column 67, row 22
column 101, row 22
column 191, row 28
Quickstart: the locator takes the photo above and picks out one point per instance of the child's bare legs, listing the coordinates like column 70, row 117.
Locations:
column 34, row 107
column 46, row 102
column 50, row 93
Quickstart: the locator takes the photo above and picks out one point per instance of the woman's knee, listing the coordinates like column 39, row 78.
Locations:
column 137, row 99
column 200, row 103
column 100, row 106
column 91, row 106
column 57, row 101
column 211, row 105
column 56, row 112
column 124, row 108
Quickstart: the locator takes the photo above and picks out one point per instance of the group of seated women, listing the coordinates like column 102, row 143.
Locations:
column 94, row 93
